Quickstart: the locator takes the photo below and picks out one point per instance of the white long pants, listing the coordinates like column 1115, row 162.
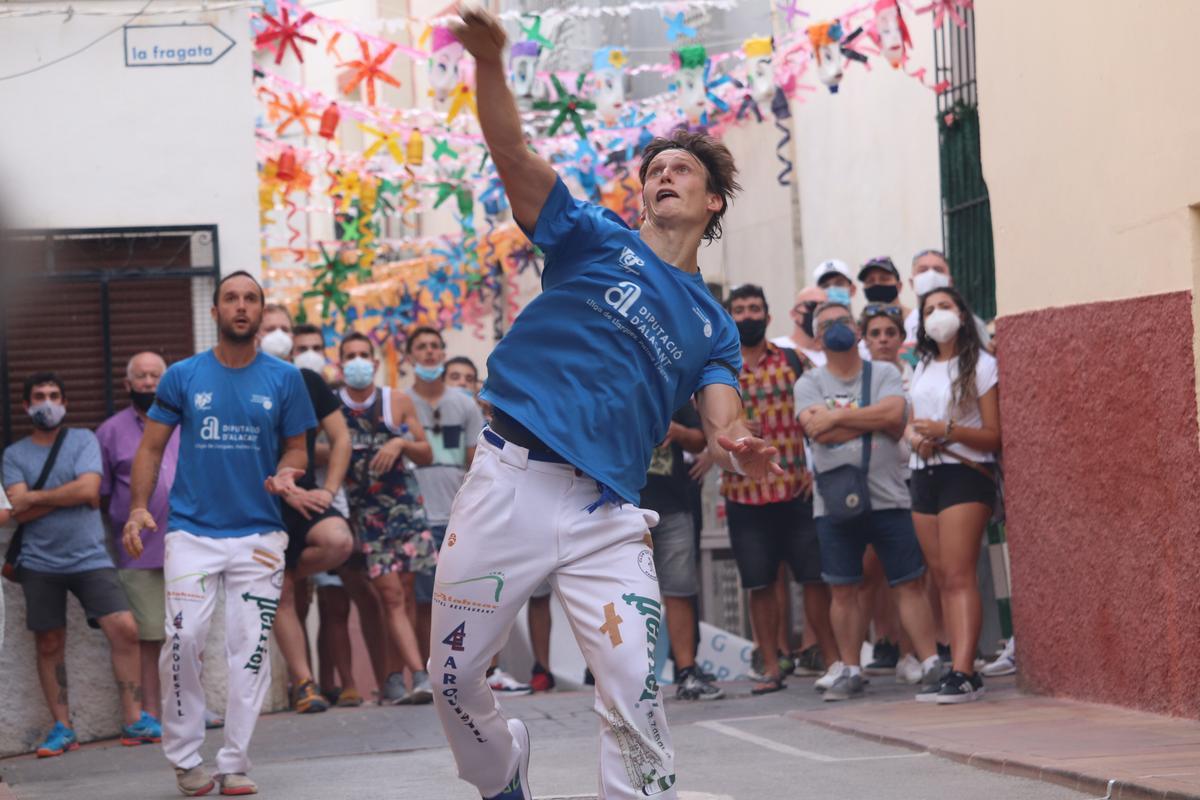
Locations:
column 514, row 523
column 251, row 569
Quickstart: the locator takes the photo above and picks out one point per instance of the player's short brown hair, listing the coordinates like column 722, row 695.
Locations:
column 717, row 161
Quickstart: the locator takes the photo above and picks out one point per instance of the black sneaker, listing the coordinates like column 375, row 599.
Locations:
column 932, row 688
column 691, row 686
column 886, row 656
column 809, row 662
column 707, row 677
column 958, row 687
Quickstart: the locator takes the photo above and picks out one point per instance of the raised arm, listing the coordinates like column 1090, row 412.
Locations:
column 527, row 178
column 729, row 441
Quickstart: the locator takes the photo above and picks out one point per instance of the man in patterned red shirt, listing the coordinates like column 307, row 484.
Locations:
column 771, row 519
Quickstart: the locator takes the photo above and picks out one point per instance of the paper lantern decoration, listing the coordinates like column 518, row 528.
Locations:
column 522, row 67
column 760, row 71
column 415, row 149
column 608, row 83
column 447, row 52
column 689, row 81
column 329, row 121
column 890, row 33
column 285, row 171
column 367, row 70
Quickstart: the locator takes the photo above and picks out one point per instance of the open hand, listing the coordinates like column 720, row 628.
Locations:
column 131, row 536
column 754, row 456
column 701, row 466
column 309, row 502
column 481, row 34
column 283, row 482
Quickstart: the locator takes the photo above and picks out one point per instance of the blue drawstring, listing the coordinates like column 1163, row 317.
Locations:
column 607, row 495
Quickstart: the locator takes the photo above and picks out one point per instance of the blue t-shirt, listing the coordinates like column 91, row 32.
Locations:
column 232, row 422
column 617, row 340
column 66, row 540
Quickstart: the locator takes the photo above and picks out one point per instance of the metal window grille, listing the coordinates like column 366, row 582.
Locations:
column 966, row 211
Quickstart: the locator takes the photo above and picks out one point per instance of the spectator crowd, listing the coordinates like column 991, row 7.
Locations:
column 885, row 417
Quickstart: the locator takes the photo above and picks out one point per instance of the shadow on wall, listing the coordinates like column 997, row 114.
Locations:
column 1102, row 465
column 95, row 711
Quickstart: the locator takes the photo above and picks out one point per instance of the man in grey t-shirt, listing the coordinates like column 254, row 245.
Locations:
column 452, row 422
column 829, row 402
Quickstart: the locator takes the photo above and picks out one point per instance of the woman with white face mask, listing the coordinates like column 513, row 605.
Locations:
column 955, row 435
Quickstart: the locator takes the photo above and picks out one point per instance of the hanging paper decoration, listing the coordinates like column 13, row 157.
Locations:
column 831, row 49
column 534, row 32
column 388, row 139
column 444, row 60
column 522, row 67
column 568, row 105
column 760, row 71
column 283, row 33
column 608, row 82
column 293, row 111
column 584, row 169
column 329, row 283
column 367, row 70
column 463, row 98
column 943, row 8
column 693, row 86
column 890, row 33
column 677, row 28
column 791, row 10
column 782, row 111
column 416, row 149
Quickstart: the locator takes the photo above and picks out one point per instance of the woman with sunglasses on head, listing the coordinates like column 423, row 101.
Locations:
column 955, row 435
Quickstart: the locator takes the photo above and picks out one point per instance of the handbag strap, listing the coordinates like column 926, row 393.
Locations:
column 50, row 459
column 866, row 401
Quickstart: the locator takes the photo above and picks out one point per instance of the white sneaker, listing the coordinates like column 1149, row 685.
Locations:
column 908, row 670
column 830, row 677
column 1005, row 663
column 506, row 684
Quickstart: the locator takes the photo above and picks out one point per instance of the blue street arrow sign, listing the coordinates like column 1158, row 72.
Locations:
column 175, row 45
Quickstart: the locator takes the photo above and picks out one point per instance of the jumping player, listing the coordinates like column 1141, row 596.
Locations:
column 583, row 387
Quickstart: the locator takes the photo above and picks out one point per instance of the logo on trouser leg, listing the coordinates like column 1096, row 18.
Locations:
column 644, row 766
column 266, row 618
column 652, row 611
column 176, row 666
column 456, row 637
column 469, row 597
column 178, row 621
column 646, row 564
column 612, row 624
column 450, row 694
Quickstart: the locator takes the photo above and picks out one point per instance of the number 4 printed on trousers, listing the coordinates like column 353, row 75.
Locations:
column 456, row 637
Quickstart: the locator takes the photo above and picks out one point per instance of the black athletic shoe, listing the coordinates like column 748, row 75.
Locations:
column 886, row 656
column 959, row 687
column 691, row 686
column 809, row 662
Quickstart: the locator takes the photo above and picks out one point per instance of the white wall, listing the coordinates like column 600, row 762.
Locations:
column 868, row 158
column 89, row 142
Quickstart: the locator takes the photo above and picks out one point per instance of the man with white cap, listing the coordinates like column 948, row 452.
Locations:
column 835, row 277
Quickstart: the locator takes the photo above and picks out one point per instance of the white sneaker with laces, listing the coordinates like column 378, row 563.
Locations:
column 826, row 681
column 1005, row 663
column 908, row 670
column 506, row 684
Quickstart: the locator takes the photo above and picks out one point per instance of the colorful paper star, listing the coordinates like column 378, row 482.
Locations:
column 534, row 32
column 284, row 33
column 293, row 110
column 441, row 147
column 676, row 28
column 567, row 104
column 791, row 10
column 462, row 97
column 388, row 139
column 368, row 69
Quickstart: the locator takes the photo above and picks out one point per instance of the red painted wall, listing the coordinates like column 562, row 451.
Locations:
column 1101, row 457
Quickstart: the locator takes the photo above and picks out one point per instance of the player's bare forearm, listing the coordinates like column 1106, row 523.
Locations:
column 722, row 417
column 143, row 476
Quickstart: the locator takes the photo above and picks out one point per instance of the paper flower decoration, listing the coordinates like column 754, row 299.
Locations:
column 676, row 28
column 462, row 98
column 534, row 32
column 367, row 70
column 293, row 110
column 567, row 104
column 388, row 139
column 283, row 33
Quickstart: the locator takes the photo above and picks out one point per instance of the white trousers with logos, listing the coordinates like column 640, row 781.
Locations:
column 514, row 523
column 251, row 570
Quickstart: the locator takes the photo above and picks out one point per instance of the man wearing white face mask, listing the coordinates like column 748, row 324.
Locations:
column 385, row 503
column 318, row 535
column 930, row 271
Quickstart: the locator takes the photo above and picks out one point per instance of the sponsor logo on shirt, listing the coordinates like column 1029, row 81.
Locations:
column 202, row 401
column 646, row 328
column 228, row 437
column 623, row 296
column 262, row 400
column 629, row 260
column 708, row 329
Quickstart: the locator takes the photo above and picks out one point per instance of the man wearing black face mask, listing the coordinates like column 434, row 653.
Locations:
column 770, row 519
column 881, row 286
column 141, row 577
